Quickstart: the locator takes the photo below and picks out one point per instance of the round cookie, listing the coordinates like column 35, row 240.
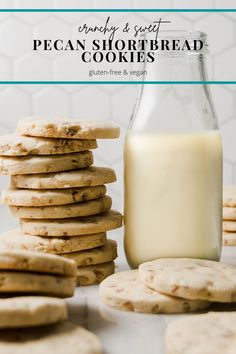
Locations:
column 103, row 254
column 94, row 274
column 43, row 164
column 125, row 291
column 31, row 311
column 194, row 279
column 91, row 176
column 20, row 145
column 229, row 196
column 16, row 240
column 58, row 127
column 36, row 283
column 229, row 213
column 60, row 338
column 229, row 226
column 24, row 260
column 46, row 197
column 229, row 238
column 210, row 333
column 91, row 207
column 73, row 227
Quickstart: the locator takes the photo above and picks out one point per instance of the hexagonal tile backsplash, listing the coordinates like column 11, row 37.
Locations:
column 105, row 101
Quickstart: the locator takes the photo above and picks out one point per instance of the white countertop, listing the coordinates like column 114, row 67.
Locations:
column 125, row 332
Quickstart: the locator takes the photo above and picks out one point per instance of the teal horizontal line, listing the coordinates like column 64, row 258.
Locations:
column 117, row 82
column 118, row 10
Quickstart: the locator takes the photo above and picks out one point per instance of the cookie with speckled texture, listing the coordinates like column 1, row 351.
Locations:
column 94, row 274
column 210, row 333
column 17, row 240
column 36, row 283
column 46, row 197
column 229, row 238
column 125, row 291
column 194, row 279
column 229, row 225
column 229, row 213
column 229, row 196
column 90, row 207
column 73, row 227
column 91, row 176
column 59, row 127
column 20, row 145
column 24, row 260
column 103, row 254
column 31, row 311
column 53, row 339
column 44, row 164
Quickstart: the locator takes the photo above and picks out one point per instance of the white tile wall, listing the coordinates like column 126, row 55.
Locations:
column 105, row 102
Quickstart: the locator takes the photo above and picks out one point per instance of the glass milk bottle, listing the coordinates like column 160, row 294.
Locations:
column 173, row 163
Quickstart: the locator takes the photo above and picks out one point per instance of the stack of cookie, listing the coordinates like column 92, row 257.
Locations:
column 41, row 278
column 59, row 197
column 176, row 285
column 37, row 277
column 229, row 216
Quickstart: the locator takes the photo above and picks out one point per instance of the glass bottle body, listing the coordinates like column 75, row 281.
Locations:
column 173, row 167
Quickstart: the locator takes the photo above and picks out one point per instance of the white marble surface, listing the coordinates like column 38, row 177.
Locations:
column 125, row 332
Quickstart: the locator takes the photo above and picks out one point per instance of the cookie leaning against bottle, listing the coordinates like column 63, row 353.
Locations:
column 203, row 279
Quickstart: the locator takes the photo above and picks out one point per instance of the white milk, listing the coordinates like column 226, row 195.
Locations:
column 173, row 196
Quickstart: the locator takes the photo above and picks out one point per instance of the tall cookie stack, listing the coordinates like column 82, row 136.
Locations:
column 229, row 216
column 58, row 196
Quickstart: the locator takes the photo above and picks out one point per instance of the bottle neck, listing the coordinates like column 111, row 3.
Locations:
column 175, row 107
column 177, row 67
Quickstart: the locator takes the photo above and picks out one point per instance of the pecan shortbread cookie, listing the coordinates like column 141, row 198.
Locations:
column 59, row 338
column 94, row 274
column 24, row 260
column 44, row 164
column 194, row 279
column 211, row 333
column 90, row 207
column 126, row 291
column 103, row 254
column 20, row 145
column 73, row 227
column 17, row 240
column 91, row 176
column 31, row 311
column 57, row 127
column 46, row 197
